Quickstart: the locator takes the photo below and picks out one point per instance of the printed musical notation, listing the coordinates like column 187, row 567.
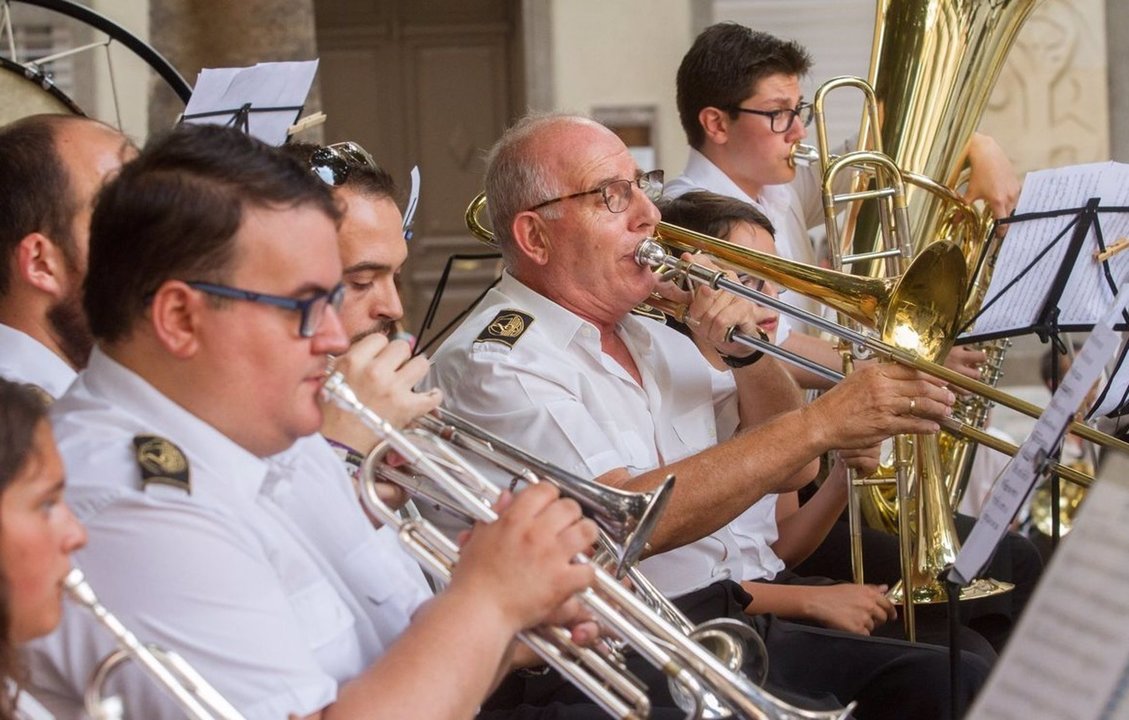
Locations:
column 1069, row 657
column 1035, row 249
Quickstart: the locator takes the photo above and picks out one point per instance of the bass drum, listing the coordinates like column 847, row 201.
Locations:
column 27, row 91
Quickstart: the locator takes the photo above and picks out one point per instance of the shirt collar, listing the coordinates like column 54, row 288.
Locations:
column 704, row 173
column 560, row 325
column 214, row 458
column 28, row 360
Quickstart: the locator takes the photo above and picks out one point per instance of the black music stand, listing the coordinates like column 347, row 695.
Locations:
column 240, row 117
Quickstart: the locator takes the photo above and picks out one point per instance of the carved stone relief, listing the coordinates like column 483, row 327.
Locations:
column 1050, row 104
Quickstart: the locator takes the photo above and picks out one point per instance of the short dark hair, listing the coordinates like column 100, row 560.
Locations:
column 724, row 65
column 1046, row 364
column 363, row 179
column 710, row 213
column 35, row 188
column 173, row 214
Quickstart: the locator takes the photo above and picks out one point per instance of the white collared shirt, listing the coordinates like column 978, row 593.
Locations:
column 24, row 359
column 557, row 395
column 267, row 577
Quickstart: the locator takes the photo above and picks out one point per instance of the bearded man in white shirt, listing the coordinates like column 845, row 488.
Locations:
column 51, row 168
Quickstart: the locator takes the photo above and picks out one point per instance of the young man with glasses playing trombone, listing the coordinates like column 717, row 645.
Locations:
column 742, row 108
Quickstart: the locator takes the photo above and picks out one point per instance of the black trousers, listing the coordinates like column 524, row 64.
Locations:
column 1016, row 561
column 810, row 667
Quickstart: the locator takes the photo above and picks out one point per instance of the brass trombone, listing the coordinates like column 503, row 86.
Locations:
column 903, row 308
column 198, row 699
column 706, row 681
column 882, row 303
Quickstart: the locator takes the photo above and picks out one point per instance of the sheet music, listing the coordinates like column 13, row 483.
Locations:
column 265, row 85
column 1116, row 390
column 1069, row 656
column 1017, row 478
column 1087, row 293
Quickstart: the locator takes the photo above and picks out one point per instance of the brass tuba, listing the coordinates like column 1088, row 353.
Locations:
column 933, row 65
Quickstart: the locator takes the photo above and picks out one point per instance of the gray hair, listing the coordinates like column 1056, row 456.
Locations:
column 517, row 179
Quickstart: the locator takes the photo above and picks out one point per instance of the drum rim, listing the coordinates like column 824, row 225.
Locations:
column 41, row 81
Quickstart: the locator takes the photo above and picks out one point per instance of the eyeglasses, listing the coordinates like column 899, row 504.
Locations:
column 617, row 193
column 312, row 308
column 781, row 120
column 332, row 163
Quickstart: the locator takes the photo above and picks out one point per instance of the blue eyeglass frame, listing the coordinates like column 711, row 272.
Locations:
column 308, row 325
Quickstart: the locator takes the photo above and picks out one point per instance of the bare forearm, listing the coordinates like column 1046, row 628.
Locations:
column 714, row 486
column 817, row 350
column 785, row 601
column 765, row 390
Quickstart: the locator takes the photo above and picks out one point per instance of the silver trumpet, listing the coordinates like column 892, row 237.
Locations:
column 626, row 518
column 198, row 699
column 701, row 677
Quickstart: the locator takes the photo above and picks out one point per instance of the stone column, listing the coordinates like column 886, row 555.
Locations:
column 1117, row 26
column 194, row 34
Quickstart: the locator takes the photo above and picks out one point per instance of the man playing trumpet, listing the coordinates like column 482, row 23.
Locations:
column 218, row 528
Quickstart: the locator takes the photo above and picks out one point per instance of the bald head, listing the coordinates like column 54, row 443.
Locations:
column 528, row 165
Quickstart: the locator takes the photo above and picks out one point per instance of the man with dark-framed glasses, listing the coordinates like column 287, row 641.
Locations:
column 221, row 526
column 552, row 360
column 740, row 101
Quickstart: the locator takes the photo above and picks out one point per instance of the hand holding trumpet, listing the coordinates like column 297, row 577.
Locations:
column 522, row 565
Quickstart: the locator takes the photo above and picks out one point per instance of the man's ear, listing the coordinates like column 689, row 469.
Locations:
column 715, row 124
column 175, row 315
column 531, row 237
column 42, row 264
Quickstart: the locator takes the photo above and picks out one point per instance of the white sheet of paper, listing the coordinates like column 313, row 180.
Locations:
column 1087, row 294
column 1069, row 657
column 1017, row 478
column 274, row 84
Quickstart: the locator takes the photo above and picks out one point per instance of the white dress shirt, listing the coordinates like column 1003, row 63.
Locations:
column 756, row 530
column 266, row 577
column 24, row 359
column 557, row 395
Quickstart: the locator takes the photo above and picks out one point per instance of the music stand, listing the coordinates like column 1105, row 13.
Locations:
column 1057, row 273
column 263, row 100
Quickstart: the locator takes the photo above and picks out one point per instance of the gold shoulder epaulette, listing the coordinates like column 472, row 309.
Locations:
column 161, row 462
column 506, row 328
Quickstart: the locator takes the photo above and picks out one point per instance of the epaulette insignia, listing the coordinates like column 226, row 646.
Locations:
column 506, row 327
column 648, row 311
column 161, row 462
